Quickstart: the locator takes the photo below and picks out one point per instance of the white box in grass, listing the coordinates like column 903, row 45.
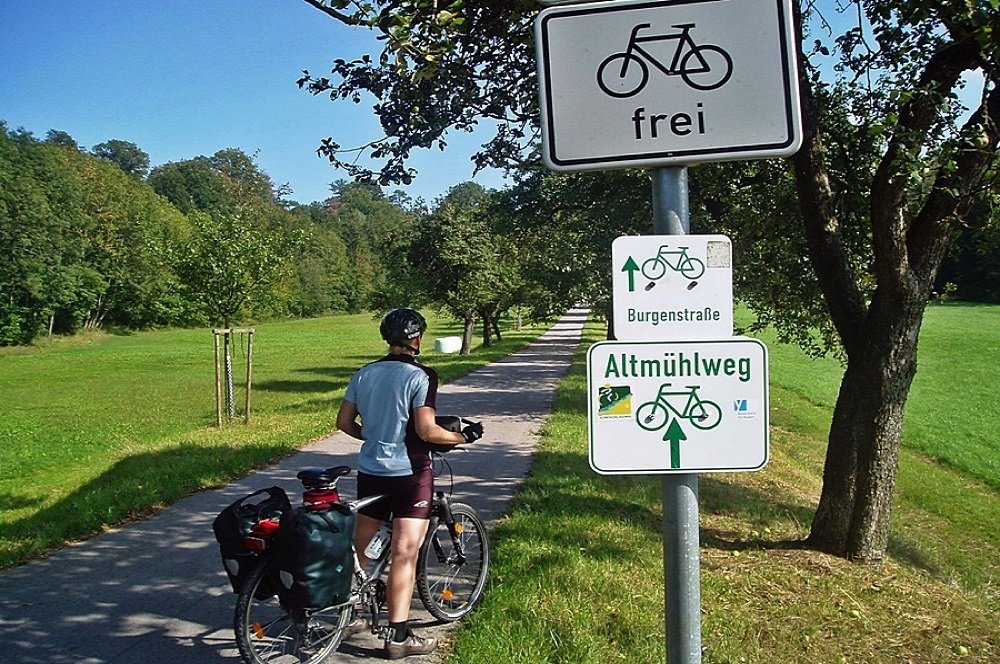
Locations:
column 448, row 344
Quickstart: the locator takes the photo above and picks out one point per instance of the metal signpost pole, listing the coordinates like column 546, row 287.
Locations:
column 681, row 564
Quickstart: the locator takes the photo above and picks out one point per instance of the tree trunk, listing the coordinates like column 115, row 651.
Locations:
column 859, row 477
column 487, row 328
column 470, row 329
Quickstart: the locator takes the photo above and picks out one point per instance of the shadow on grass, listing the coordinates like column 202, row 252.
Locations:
column 910, row 553
column 300, row 385
column 10, row 501
column 125, row 492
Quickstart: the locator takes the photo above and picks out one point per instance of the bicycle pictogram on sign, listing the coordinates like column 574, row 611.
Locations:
column 701, row 66
column 702, row 413
column 677, row 260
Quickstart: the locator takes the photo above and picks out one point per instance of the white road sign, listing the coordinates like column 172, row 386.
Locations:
column 666, row 83
column 678, row 406
column 672, row 287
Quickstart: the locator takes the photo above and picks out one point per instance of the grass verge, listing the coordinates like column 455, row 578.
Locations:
column 578, row 573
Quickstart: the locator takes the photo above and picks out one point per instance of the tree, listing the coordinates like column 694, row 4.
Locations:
column 131, row 236
column 888, row 168
column 59, row 137
column 232, row 260
column 464, row 264
column 127, row 156
column 446, row 66
column 926, row 178
column 192, row 185
column 241, row 170
column 377, row 233
column 324, row 281
column 84, row 244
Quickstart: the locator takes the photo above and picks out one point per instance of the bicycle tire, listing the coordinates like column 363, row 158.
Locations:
column 711, row 415
column 700, row 52
column 650, row 418
column 269, row 633
column 692, row 268
column 450, row 589
column 621, row 87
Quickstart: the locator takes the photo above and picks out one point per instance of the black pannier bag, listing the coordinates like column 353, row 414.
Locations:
column 234, row 523
column 312, row 561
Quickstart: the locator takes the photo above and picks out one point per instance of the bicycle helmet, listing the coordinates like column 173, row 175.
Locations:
column 401, row 325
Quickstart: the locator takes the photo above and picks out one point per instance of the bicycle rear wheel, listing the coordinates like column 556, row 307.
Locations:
column 450, row 579
column 269, row 633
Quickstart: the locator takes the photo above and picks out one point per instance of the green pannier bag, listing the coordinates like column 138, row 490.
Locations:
column 313, row 562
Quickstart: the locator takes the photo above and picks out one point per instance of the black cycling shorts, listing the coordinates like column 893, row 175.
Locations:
column 406, row 495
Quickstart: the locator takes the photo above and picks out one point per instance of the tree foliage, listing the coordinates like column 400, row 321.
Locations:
column 126, row 155
column 204, row 240
column 445, row 66
column 85, row 244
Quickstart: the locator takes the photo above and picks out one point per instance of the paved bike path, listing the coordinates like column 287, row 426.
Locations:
column 154, row 591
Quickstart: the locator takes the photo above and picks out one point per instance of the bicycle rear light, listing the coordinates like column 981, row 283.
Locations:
column 252, row 543
column 318, row 499
column 260, row 534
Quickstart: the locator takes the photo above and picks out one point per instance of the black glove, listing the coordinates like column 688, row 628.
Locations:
column 473, row 432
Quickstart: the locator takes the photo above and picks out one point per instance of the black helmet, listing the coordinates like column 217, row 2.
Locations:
column 402, row 325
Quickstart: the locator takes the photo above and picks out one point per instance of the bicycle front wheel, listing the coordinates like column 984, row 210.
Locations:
column 706, row 415
column 452, row 568
column 706, row 67
column 692, row 268
column 269, row 633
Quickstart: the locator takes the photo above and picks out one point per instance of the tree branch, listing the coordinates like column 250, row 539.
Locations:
column 889, row 185
column 954, row 187
column 324, row 7
column 820, row 223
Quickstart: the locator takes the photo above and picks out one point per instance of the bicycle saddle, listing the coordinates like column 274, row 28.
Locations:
column 315, row 478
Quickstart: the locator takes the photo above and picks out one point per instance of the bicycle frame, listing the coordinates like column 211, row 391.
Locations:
column 451, row 575
column 680, row 252
column 441, row 512
column 691, row 393
column 683, row 37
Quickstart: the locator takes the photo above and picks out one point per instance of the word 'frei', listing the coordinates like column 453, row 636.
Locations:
column 676, row 365
column 678, row 124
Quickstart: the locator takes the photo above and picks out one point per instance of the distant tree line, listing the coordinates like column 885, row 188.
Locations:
column 98, row 239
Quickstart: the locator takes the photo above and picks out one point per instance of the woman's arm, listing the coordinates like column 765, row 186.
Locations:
column 347, row 419
column 430, row 431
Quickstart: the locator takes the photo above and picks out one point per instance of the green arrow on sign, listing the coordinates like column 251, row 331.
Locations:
column 630, row 267
column 674, row 435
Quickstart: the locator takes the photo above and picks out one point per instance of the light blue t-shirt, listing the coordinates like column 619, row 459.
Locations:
column 386, row 393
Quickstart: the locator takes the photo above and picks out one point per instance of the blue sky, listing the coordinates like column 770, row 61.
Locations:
column 182, row 78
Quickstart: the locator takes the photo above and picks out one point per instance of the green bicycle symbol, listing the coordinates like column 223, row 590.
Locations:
column 677, row 260
column 655, row 414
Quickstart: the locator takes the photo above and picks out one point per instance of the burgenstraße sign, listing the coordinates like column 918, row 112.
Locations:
column 678, row 406
column 672, row 287
column 666, row 83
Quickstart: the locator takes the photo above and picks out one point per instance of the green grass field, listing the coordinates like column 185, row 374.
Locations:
column 950, row 415
column 98, row 429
